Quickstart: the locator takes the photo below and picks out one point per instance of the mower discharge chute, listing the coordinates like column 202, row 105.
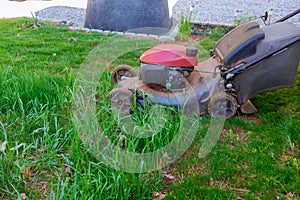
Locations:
column 248, row 60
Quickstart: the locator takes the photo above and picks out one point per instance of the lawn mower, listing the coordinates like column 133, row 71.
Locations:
column 248, row 60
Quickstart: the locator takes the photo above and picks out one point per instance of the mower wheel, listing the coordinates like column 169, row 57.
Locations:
column 121, row 99
column 222, row 105
column 122, row 72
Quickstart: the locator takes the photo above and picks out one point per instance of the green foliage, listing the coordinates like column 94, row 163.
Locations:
column 244, row 19
column 197, row 187
column 208, row 42
column 42, row 156
column 257, row 157
column 185, row 28
column 41, row 153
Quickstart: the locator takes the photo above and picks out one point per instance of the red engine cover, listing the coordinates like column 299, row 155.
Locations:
column 169, row 55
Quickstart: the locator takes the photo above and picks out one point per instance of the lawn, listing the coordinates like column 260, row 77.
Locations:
column 43, row 157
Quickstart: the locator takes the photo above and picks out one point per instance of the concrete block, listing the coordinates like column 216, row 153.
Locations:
column 153, row 37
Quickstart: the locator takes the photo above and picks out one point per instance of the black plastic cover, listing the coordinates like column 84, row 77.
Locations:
column 239, row 43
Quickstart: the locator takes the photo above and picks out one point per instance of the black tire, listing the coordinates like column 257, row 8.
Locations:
column 222, row 105
column 122, row 71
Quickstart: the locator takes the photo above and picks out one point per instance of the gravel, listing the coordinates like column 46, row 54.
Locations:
column 204, row 11
column 74, row 17
column 223, row 11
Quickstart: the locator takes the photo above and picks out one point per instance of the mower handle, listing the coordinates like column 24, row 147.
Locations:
column 288, row 16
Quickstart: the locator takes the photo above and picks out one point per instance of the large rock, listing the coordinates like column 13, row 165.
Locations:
column 122, row 15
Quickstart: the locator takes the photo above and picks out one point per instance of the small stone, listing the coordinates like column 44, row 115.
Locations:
column 23, row 196
column 85, row 29
column 165, row 39
column 169, row 176
column 141, row 36
column 106, row 32
column 118, row 33
column 99, row 31
column 211, row 181
column 130, row 35
column 68, row 170
column 72, row 40
column 94, row 30
column 153, row 37
column 3, row 146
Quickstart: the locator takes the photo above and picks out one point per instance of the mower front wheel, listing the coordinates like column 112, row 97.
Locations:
column 222, row 105
column 122, row 72
column 121, row 99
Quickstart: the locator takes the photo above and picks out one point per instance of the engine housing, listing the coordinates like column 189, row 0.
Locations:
column 161, row 75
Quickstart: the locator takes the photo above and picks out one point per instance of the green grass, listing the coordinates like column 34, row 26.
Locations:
column 41, row 153
column 42, row 156
column 257, row 157
column 185, row 28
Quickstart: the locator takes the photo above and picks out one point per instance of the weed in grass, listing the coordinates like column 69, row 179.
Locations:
column 185, row 28
column 35, row 21
column 245, row 18
column 209, row 41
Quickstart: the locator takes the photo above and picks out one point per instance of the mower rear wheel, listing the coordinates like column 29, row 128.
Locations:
column 222, row 105
column 121, row 99
column 122, row 72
